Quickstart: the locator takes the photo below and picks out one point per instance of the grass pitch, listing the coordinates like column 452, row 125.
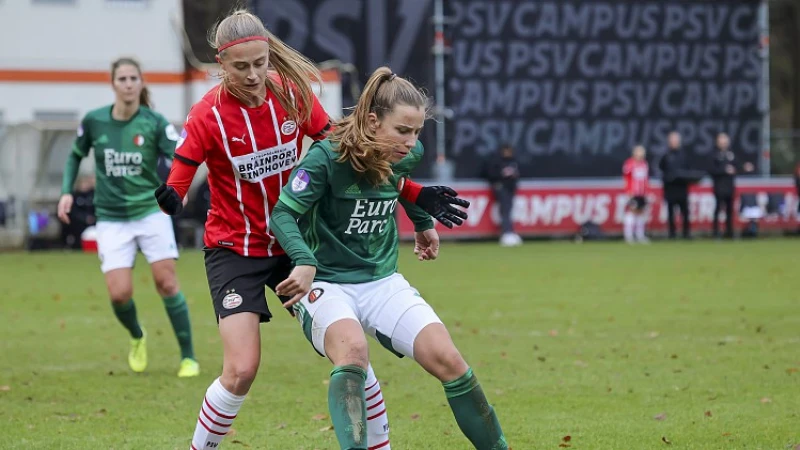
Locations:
column 595, row 346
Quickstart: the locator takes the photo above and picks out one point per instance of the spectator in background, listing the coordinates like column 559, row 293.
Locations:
column 673, row 165
column 797, row 181
column 443, row 170
column 82, row 214
column 723, row 173
column 636, row 173
column 503, row 175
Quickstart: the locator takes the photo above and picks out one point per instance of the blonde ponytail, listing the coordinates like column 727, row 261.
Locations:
column 357, row 144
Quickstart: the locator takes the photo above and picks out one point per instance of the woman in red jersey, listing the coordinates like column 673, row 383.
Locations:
column 636, row 172
column 248, row 131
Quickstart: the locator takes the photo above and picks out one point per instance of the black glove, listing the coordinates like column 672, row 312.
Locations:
column 169, row 200
column 438, row 201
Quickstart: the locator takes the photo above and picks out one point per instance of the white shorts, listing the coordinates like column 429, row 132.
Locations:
column 117, row 242
column 389, row 310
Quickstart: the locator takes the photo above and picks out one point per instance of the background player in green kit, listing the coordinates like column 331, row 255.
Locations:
column 128, row 137
column 336, row 221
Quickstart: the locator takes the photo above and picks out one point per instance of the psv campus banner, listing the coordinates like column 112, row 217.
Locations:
column 560, row 207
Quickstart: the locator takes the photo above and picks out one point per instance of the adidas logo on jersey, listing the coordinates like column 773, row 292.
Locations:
column 353, row 190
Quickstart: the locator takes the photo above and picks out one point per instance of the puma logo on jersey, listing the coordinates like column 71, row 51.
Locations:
column 241, row 139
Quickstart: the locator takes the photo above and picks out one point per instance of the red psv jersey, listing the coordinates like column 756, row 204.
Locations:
column 250, row 153
column 636, row 175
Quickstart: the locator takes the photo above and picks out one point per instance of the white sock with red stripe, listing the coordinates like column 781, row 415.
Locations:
column 641, row 222
column 216, row 416
column 377, row 418
column 628, row 224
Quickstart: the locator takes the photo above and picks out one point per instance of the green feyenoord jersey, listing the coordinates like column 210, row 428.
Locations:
column 348, row 223
column 126, row 160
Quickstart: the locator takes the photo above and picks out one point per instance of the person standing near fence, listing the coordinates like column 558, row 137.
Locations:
column 128, row 138
column 503, row 176
column 673, row 166
column 723, row 173
column 636, row 174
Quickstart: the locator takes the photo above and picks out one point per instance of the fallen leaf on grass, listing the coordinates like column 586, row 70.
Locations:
column 661, row 416
column 563, row 445
column 414, row 416
column 665, row 440
column 566, row 438
column 792, row 370
column 542, row 358
column 708, row 413
column 238, row 442
column 553, row 333
column 5, row 388
column 281, row 426
column 56, row 297
column 326, row 382
column 766, row 400
column 503, row 355
column 653, row 334
column 726, row 434
column 320, row 417
column 328, row 428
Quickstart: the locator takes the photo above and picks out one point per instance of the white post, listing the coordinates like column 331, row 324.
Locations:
column 439, row 81
column 763, row 24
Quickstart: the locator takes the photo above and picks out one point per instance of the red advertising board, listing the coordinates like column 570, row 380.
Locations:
column 560, row 207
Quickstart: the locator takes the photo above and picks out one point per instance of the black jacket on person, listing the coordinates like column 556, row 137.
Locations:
column 724, row 182
column 495, row 173
column 673, row 166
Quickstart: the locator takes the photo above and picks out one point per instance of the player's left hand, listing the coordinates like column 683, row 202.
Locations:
column 297, row 284
column 439, row 201
column 169, row 200
column 426, row 245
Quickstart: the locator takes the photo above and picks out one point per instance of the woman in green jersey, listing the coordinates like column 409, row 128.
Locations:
column 335, row 219
column 128, row 137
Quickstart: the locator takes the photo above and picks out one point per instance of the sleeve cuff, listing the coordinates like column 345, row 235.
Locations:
column 424, row 225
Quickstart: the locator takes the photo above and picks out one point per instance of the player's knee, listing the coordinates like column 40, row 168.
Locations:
column 167, row 285
column 239, row 377
column 120, row 294
column 352, row 351
column 449, row 365
column 435, row 351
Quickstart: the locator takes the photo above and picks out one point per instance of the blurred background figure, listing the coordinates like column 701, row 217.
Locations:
column 82, row 215
column 503, row 175
column 676, row 187
column 636, row 173
column 723, row 173
column 444, row 170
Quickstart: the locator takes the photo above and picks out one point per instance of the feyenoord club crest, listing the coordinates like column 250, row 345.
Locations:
column 138, row 140
column 315, row 294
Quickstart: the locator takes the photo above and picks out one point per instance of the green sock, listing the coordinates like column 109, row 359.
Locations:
column 348, row 406
column 474, row 414
column 178, row 313
column 126, row 313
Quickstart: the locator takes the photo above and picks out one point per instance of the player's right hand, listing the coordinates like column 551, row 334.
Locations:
column 169, row 200
column 64, row 207
column 297, row 284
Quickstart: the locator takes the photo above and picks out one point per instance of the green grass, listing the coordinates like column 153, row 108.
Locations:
column 617, row 347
